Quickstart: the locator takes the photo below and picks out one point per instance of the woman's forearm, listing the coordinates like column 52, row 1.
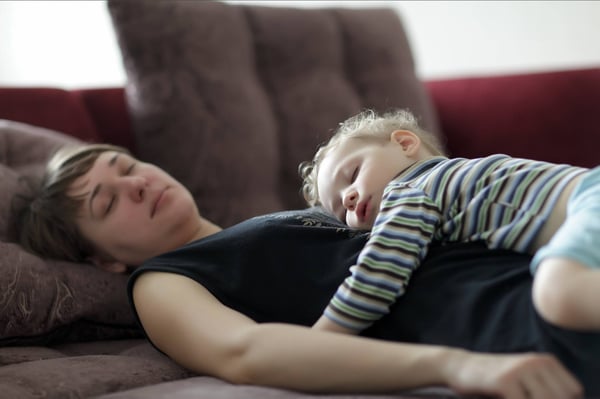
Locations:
column 212, row 339
column 305, row 359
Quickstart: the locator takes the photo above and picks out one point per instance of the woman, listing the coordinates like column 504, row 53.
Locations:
column 219, row 302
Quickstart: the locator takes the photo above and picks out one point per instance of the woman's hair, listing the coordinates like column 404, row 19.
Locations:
column 365, row 125
column 47, row 223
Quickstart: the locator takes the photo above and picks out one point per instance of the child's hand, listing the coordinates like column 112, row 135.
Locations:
column 529, row 375
column 324, row 324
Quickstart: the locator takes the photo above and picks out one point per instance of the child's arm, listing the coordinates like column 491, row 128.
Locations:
column 398, row 243
column 325, row 324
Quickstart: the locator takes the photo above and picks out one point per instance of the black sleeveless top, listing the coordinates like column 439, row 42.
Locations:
column 284, row 267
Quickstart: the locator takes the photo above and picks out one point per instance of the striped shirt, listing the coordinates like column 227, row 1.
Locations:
column 501, row 200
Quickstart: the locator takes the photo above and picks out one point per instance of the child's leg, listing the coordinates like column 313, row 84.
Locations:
column 567, row 293
column 566, row 287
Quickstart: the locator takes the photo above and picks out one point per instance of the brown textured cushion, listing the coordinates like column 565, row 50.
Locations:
column 83, row 370
column 47, row 301
column 230, row 98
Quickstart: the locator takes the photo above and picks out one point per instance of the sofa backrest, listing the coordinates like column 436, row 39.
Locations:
column 550, row 116
column 229, row 99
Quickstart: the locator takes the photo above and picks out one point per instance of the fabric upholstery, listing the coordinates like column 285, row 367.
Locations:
column 83, row 370
column 53, row 108
column 545, row 116
column 209, row 387
column 45, row 301
column 230, row 99
column 107, row 109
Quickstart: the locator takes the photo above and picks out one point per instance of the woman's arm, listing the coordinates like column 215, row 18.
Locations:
column 189, row 324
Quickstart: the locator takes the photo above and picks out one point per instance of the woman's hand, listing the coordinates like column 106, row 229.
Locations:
column 521, row 376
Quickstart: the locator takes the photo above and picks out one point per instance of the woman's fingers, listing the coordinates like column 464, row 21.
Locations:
column 523, row 376
column 556, row 379
column 540, row 376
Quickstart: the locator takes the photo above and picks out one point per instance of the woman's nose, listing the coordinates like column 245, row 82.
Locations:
column 350, row 200
column 135, row 187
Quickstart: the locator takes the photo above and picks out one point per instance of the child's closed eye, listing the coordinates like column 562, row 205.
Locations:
column 354, row 174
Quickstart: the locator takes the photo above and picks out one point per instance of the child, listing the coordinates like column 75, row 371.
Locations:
column 385, row 173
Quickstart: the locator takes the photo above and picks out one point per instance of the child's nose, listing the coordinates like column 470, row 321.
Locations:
column 350, row 200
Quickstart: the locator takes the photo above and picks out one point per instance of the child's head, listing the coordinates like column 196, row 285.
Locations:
column 368, row 147
column 98, row 203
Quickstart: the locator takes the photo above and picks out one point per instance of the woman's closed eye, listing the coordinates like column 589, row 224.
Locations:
column 113, row 197
column 110, row 205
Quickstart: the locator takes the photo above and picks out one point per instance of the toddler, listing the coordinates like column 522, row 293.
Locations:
column 386, row 174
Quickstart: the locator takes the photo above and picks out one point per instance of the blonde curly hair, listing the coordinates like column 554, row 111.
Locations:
column 365, row 125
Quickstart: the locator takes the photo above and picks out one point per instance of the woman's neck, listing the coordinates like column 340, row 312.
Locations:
column 206, row 228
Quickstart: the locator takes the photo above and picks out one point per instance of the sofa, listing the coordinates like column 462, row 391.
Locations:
column 229, row 99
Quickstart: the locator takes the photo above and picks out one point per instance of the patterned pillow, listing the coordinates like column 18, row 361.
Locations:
column 44, row 301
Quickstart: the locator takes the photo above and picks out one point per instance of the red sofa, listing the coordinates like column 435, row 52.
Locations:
column 550, row 116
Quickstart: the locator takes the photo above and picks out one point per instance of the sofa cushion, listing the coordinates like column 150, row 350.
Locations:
column 44, row 301
column 229, row 99
column 83, row 370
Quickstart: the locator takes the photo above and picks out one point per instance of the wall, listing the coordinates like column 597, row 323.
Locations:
column 71, row 43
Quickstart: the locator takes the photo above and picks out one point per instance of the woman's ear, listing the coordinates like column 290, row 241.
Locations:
column 111, row 266
column 409, row 141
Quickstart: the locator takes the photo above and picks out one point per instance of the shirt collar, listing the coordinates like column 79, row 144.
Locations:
column 418, row 168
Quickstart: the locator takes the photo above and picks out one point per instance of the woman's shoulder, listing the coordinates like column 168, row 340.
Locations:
column 309, row 220
column 309, row 217
column 272, row 229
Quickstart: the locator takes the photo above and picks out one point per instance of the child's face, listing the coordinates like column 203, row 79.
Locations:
column 352, row 178
column 134, row 210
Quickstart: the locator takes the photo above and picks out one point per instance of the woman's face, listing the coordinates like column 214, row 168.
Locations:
column 134, row 210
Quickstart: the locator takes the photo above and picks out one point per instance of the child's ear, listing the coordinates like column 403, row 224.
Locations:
column 409, row 141
column 111, row 266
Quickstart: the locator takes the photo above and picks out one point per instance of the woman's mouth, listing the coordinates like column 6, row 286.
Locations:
column 158, row 201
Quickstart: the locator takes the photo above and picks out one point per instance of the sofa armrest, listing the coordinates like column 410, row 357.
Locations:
column 91, row 114
column 109, row 112
column 551, row 116
column 52, row 108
